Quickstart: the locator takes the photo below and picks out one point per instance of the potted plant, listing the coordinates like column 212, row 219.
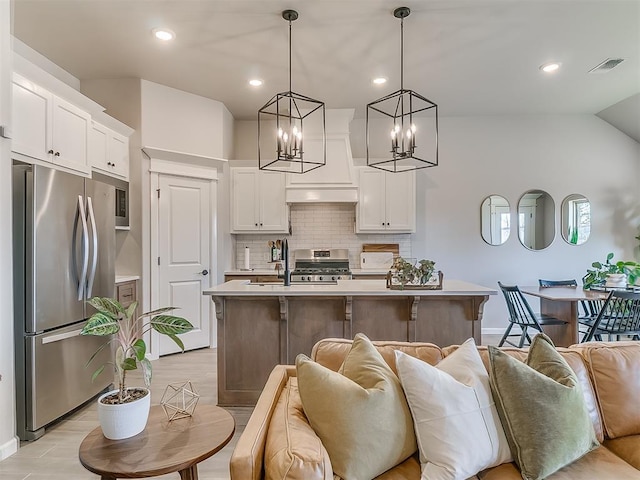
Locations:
column 406, row 273
column 123, row 412
column 601, row 272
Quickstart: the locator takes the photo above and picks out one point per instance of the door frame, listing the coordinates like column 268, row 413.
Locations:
column 169, row 168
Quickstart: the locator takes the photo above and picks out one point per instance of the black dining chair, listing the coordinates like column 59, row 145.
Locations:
column 619, row 316
column 521, row 314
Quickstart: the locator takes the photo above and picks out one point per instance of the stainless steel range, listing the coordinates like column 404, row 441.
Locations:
column 321, row 266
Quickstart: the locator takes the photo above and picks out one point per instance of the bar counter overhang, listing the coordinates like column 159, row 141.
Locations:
column 262, row 325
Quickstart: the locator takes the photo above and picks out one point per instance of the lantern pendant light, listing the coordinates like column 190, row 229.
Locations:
column 282, row 124
column 409, row 120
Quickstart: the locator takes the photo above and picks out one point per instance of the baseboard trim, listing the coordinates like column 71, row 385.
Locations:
column 493, row 330
column 9, row 448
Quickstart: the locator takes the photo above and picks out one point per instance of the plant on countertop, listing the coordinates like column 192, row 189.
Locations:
column 112, row 318
column 598, row 275
column 407, row 273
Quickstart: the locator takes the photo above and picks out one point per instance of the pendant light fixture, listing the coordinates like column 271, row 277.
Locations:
column 409, row 123
column 282, row 124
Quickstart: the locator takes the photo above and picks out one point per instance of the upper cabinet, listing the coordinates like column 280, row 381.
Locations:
column 386, row 202
column 258, row 202
column 48, row 128
column 109, row 151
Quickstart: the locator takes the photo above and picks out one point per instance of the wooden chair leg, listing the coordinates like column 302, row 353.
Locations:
column 506, row 334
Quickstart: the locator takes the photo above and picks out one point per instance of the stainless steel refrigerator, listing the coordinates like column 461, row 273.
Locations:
column 64, row 253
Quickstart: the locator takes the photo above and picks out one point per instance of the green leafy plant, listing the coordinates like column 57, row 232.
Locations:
column 128, row 331
column 408, row 273
column 598, row 274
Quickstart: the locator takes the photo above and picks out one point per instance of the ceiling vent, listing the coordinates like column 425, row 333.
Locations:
column 607, row 65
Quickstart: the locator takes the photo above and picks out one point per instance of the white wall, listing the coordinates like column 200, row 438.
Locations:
column 508, row 155
column 562, row 155
column 121, row 98
column 178, row 121
column 8, row 439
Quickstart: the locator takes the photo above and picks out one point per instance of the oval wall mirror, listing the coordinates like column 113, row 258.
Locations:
column 536, row 219
column 575, row 219
column 495, row 220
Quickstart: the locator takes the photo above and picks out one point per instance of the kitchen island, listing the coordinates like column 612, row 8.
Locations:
column 262, row 325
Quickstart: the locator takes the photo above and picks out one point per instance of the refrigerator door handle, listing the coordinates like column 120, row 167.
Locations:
column 85, row 248
column 94, row 236
column 61, row 336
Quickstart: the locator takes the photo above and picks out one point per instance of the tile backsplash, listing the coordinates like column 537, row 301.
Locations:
column 317, row 225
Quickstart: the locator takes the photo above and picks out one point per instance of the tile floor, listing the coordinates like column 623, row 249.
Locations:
column 55, row 455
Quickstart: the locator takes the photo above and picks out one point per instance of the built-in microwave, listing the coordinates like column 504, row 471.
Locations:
column 121, row 198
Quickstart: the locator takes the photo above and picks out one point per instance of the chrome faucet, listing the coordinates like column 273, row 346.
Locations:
column 285, row 257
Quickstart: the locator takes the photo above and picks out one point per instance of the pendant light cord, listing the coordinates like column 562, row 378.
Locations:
column 290, row 55
column 402, row 53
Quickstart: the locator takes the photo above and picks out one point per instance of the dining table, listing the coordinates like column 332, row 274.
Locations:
column 562, row 303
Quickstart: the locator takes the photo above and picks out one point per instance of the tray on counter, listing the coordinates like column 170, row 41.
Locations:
column 428, row 286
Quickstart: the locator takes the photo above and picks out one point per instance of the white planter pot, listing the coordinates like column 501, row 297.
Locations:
column 616, row 280
column 124, row 420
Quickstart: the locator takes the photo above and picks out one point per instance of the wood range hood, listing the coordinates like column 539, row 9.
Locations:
column 334, row 182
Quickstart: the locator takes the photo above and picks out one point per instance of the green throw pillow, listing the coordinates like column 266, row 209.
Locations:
column 542, row 409
column 360, row 414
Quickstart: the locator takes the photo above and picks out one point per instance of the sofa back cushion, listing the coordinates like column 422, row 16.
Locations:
column 614, row 369
column 331, row 352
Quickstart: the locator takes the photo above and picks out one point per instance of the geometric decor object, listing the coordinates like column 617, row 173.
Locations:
column 410, row 123
column 179, row 400
column 282, row 122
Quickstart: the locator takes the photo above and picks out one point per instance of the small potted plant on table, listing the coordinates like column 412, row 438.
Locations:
column 123, row 412
column 610, row 274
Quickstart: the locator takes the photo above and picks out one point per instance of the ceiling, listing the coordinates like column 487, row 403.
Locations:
column 471, row 57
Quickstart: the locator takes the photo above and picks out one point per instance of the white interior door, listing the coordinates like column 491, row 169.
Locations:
column 184, row 246
column 527, row 226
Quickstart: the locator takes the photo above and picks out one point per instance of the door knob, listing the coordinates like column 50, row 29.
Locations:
column 204, row 272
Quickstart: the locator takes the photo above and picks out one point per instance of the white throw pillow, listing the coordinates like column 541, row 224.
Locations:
column 457, row 426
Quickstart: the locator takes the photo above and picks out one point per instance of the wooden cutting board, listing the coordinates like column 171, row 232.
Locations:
column 381, row 247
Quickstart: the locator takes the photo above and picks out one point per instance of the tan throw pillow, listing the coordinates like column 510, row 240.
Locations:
column 293, row 451
column 542, row 408
column 361, row 415
column 456, row 422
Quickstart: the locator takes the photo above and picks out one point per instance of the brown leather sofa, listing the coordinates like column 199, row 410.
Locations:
column 609, row 374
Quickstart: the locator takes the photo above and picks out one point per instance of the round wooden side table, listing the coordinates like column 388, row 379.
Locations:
column 162, row 447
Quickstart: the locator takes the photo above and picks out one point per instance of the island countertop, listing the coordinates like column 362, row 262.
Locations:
column 342, row 288
column 261, row 325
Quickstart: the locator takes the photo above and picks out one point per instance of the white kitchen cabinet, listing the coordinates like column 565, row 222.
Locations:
column 48, row 128
column 108, row 151
column 386, row 201
column 258, row 201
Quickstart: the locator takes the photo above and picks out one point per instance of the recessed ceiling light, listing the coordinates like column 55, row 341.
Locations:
column 550, row 67
column 379, row 80
column 163, row 34
column 255, row 82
